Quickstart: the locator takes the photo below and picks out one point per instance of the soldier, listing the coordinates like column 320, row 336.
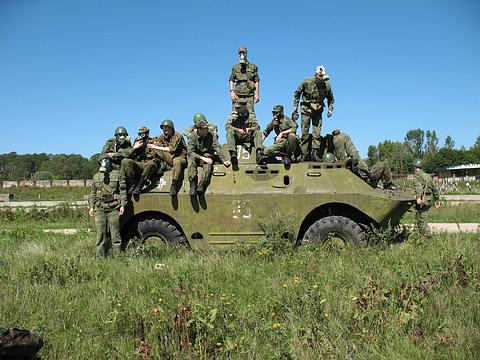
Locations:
column 426, row 192
column 342, row 146
column 203, row 150
column 199, row 116
column 242, row 127
column 107, row 201
column 286, row 141
column 142, row 163
column 313, row 91
column 118, row 147
column 244, row 81
column 173, row 150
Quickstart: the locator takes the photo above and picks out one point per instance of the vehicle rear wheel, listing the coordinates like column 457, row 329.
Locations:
column 337, row 231
column 155, row 230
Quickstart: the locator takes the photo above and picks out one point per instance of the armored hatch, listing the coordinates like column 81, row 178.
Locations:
column 322, row 199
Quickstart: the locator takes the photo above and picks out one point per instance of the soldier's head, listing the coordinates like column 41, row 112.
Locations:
column 198, row 116
column 202, row 127
column 277, row 113
column 417, row 164
column 105, row 164
column 143, row 133
column 320, row 72
column 336, row 132
column 121, row 135
column 242, row 53
column 242, row 111
column 328, row 157
column 168, row 127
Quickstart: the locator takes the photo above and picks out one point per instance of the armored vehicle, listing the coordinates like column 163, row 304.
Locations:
column 323, row 200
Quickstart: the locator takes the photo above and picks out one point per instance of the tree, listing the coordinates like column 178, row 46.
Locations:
column 414, row 141
column 397, row 154
column 431, row 147
column 372, row 154
column 449, row 142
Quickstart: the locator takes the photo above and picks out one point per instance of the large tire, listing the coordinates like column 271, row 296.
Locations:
column 155, row 229
column 334, row 227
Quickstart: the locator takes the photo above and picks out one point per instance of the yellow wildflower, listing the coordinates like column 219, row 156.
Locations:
column 276, row 326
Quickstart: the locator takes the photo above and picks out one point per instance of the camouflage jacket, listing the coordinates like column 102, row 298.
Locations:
column 244, row 78
column 425, row 188
column 344, row 149
column 176, row 144
column 143, row 154
column 211, row 127
column 314, row 91
column 120, row 152
column 285, row 123
column 108, row 190
column 235, row 122
column 204, row 145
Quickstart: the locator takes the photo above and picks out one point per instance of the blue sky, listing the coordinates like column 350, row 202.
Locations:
column 71, row 71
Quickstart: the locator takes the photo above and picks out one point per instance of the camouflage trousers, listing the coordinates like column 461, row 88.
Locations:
column 193, row 163
column 287, row 146
column 248, row 100
column 132, row 170
column 234, row 138
column 379, row 172
column 421, row 219
column 315, row 119
column 177, row 163
column 107, row 220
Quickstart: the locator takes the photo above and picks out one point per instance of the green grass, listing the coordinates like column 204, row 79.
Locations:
column 417, row 299
column 464, row 212
column 46, row 194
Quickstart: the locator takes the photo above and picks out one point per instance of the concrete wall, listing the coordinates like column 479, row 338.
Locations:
column 46, row 183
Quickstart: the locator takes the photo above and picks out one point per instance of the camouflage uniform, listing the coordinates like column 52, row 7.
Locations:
column 343, row 149
column 211, row 128
column 288, row 145
column 206, row 146
column 234, row 138
column 244, row 77
column 425, row 189
column 107, row 195
column 121, row 151
column 313, row 92
column 177, row 157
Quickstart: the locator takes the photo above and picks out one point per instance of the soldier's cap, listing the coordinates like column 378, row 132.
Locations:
column 336, row 132
column 143, row 129
column 201, row 124
column 277, row 109
column 242, row 49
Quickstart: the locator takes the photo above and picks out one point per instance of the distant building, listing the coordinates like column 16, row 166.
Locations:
column 467, row 172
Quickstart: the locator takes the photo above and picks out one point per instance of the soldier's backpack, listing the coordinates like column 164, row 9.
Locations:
column 19, row 344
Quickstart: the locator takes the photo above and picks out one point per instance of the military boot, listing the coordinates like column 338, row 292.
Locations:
column 259, row 157
column 193, row 187
column 201, row 187
column 131, row 187
column 389, row 186
column 138, row 188
column 175, row 187
column 287, row 160
column 316, row 155
column 233, row 158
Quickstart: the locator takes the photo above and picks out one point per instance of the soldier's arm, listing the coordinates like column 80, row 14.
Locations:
column 218, row 149
column 92, row 199
column 293, row 125
column 192, row 146
column 122, row 189
column 329, row 96
column 124, row 152
column 296, row 95
column 229, row 124
column 435, row 191
column 350, row 149
column 267, row 131
column 108, row 147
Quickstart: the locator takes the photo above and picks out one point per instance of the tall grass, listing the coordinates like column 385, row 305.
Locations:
column 415, row 299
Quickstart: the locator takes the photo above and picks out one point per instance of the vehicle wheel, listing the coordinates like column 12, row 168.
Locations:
column 162, row 231
column 337, row 231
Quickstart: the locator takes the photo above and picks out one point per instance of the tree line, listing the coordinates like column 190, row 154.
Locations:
column 417, row 144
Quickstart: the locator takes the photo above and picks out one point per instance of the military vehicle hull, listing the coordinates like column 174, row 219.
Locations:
column 319, row 199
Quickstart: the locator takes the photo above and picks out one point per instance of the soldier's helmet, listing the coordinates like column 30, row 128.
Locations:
column 277, row 109
column 105, row 163
column 418, row 163
column 143, row 130
column 167, row 122
column 336, row 132
column 201, row 124
column 243, row 49
column 328, row 157
column 121, row 131
column 198, row 116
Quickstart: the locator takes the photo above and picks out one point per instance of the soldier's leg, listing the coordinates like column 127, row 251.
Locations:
column 113, row 221
column 232, row 141
column 381, row 172
column 101, row 227
column 305, row 143
column 149, row 168
column 274, row 149
column 205, row 178
column 129, row 170
column 192, row 174
column 316, row 128
column 250, row 104
column 177, row 178
column 421, row 221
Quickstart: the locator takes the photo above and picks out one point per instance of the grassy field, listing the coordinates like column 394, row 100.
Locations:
column 465, row 212
column 46, row 194
column 417, row 299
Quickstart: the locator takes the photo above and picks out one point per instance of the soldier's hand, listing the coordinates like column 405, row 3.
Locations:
column 233, row 96
column 278, row 138
column 329, row 113
column 257, row 98
column 138, row 144
column 241, row 131
column 91, row 212
column 294, row 109
column 420, row 202
column 121, row 211
column 110, row 154
column 227, row 163
column 209, row 161
column 437, row 204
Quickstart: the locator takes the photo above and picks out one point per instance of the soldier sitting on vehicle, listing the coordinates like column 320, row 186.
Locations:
column 199, row 116
column 286, row 140
column 142, row 164
column 242, row 128
column 342, row 147
column 118, row 147
column 172, row 149
column 203, row 150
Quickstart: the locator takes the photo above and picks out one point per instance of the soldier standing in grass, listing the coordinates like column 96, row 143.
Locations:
column 244, row 81
column 313, row 90
column 173, row 150
column 107, row 201
column 426, row 194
